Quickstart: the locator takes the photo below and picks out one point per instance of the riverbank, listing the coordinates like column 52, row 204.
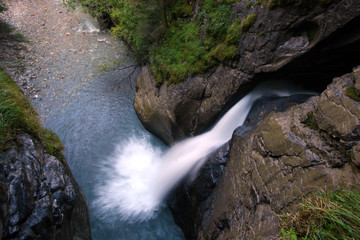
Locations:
column 57, row 39
column 83, row 85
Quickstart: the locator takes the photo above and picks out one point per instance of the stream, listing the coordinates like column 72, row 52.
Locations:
column 82, row 83
column 84, row 87
column 91, row 127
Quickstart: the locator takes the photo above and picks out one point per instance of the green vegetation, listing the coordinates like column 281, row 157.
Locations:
column 166, row 34
column 325, row 215
column 183, row 52
column 2, row 7
column 17, row 115
column 353, row 93
column 178, row 41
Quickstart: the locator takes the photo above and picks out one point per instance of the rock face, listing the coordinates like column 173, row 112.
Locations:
column 290, row 154
column 312, row 45
column 39, row 199
column 191, row 201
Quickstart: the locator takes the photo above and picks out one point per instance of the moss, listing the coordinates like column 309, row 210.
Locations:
column 182, row 9
column 17, row 115
column 224, row 52
column 353, row 93
column 259, row 2
column 248, row 22
column 234, row 33
column 248, row 5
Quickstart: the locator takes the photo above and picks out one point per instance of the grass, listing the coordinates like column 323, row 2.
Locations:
column 17, row 115
column 352, row 93
column 325, row 215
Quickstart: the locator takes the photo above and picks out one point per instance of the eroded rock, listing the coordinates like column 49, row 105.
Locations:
column 39, row 198
column 289, row 155
column 192, row 200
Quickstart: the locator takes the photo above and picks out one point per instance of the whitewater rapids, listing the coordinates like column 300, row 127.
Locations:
column 139, row 176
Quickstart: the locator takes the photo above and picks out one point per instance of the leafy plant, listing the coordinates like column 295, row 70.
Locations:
column 288, row 234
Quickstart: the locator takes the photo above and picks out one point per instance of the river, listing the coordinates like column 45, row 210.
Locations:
column 84, row 84
column 75, row 81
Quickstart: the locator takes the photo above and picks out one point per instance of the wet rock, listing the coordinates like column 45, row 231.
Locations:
column 191, row 203
column 39, row 198
column 289, row 155
column 309, row 45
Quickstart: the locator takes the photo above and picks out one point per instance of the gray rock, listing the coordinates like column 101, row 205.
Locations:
column 40, row 199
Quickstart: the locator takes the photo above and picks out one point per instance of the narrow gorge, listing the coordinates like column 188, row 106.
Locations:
column 216, row 154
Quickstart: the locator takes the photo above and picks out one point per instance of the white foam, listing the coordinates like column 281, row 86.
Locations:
column 140, row 176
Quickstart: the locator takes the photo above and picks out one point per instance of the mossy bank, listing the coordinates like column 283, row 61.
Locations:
column 39, row 196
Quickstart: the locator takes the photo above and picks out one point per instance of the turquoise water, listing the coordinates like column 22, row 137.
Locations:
column 99, row 119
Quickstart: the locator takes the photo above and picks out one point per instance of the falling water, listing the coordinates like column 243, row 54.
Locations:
column 139, row 176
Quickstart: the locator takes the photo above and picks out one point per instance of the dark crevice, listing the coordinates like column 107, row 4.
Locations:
column 336, row 55
column 332, row 57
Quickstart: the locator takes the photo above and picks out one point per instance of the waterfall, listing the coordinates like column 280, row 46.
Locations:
column 139, row 176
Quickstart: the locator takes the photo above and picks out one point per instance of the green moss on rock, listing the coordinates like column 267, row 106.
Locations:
column 352, row 93
column 248, row 22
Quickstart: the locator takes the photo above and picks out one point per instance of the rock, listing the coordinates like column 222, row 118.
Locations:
column 289, row 155
column 39, row 197
column 309, row 45
column 191, row 200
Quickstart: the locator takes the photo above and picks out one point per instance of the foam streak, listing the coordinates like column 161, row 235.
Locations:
column 140, row 176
